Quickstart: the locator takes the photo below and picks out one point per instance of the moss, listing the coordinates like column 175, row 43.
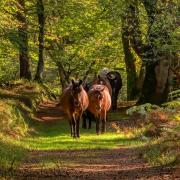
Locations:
column 29, row 93
column 12, row 121
column 142, row 109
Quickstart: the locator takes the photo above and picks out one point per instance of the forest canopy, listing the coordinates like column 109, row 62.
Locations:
column 54, row 41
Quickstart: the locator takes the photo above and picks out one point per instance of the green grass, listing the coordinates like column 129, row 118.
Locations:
column 10, row 153
column 56, row 135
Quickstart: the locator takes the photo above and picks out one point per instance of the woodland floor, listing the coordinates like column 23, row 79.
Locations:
column 122, row 162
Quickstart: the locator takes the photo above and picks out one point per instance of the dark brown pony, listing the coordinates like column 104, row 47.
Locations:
column 99, row 104
column 103, row 81
column 74, row 100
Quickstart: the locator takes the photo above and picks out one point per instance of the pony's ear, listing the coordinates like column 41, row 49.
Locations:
column 99, row 77
column 80, row 82
column 72, row 82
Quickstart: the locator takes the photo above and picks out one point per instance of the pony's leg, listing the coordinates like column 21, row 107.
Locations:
column 78, row 124
column 84, row 117
column 103, row 127
column 114, row 101
column 97, row 126
column 74, row 127
column 71, row 128
column 89, row 119
column 89, row 127
column 77, row 127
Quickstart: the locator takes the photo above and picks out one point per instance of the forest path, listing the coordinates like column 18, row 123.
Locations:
column 122, row 162
column 49, row 111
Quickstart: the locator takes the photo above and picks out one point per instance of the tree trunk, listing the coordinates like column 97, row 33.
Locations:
column 130, row 68
column 25, row 71
column 64, row 76
column 156, row 86
column 41, row 20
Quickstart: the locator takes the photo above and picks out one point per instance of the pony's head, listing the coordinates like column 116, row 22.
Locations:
column 76, row 89
column 103, row 81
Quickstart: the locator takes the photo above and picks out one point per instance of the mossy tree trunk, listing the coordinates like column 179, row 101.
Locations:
column 63, row 75
column 155, row 86
column 131, row 40
column 130, row 68
column 156, row 83
column 25, row 71
column 41, row 20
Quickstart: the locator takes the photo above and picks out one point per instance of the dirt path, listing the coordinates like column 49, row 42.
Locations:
column 49, row 111
column 121, row 163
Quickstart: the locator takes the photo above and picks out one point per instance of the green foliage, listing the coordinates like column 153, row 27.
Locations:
column 160, row 127
column 14, row 116
column 80, row 35
column 142, row 109
column 164, row 151
column 171, row 104
column 12, row 128
column 174, row 95
column 11, row 154
column 157, row 156
column 12, row 121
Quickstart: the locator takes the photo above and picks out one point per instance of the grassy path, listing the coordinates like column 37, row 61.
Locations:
column 53, row 154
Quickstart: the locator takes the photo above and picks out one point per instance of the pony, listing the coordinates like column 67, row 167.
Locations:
column 87, row 116
column 74, row 101
column 99, row 104
column 116, row 84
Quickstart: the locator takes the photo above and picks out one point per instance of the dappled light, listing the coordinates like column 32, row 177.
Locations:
column 89, row 89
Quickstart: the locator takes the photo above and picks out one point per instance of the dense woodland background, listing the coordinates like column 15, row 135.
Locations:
column 53, row 41
column 47, row 43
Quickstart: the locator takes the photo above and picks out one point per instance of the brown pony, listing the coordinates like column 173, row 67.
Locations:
column 99, row 104
column 74, row 101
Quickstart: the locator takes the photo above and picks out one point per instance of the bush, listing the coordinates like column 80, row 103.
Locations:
column 142, row 109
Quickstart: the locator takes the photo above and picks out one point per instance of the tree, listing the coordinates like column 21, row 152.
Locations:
column 78, row 35
column 25, row 71
column 41, row 21
column 156, row 59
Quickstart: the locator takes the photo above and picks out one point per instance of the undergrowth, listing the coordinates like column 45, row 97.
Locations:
column 11, row 153
column 165, row 150
column 14, row 114
column 159, row 126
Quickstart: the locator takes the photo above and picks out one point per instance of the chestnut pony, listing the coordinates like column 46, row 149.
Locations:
column 99, row 103
column 74, row 100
